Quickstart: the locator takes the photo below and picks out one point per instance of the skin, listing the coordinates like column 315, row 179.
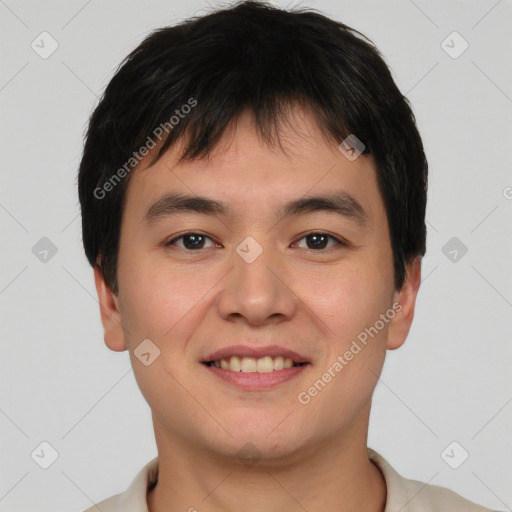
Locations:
column 190, row 304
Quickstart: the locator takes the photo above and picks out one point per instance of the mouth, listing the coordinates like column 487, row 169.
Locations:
column 247, row 379
column 264, row 364
column 249, row 359
column 251, row 369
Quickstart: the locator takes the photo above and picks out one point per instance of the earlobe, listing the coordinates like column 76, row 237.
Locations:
column 110, row 315
column 400, row 325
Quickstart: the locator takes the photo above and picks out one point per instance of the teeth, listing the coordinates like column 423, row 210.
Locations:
column 265, row 365
column 252, row 365
column 278, row 363
column 234, row 364
column 249, row 364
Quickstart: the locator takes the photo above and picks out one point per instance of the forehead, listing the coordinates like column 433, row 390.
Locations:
column 247, row 174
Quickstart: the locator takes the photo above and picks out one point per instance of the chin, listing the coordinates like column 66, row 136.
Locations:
column 265, row 441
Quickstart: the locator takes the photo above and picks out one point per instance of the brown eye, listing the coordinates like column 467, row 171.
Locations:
column 191, row 241
column 318, row 241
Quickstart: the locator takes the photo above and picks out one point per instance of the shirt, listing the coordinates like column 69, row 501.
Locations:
column 403, row 495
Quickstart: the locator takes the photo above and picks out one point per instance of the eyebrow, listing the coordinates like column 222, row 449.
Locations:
column 341, row 203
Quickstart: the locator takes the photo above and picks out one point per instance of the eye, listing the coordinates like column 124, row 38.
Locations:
column 317, row 241
column 191, row 241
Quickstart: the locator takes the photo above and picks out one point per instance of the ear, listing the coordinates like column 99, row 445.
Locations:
column 110, row 315
column 401, row 323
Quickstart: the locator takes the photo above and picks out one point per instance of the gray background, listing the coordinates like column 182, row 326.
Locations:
column 60, row 384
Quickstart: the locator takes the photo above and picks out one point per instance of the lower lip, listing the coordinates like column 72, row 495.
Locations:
column 254, row 381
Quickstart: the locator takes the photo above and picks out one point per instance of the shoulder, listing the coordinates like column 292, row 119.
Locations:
column 108, row 505
column 414, row 496
column 132, row 499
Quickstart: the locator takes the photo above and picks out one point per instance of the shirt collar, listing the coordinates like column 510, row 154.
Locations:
column 134, row 498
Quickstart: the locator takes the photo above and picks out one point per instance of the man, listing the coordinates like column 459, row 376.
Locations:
column 253, row 191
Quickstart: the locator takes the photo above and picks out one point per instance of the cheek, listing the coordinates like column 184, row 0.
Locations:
column 349, row 301
column 354, row 356
column 157, row 297
column 347, row 298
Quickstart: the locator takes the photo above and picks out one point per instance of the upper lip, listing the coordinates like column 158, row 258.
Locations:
column 257, row 353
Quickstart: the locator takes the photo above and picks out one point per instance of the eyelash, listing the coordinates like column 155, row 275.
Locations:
column 339, row 241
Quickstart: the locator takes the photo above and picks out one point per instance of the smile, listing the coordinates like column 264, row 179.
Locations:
column 264, row 364
column 249, row 379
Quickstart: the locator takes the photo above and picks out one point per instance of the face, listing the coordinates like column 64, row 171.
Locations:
column 256, row 280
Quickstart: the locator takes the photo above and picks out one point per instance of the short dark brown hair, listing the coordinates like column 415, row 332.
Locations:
column 252, row 55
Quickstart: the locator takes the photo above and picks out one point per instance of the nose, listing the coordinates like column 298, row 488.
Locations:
column 257, row 291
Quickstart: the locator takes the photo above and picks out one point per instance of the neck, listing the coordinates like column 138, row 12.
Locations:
column 333, row 475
